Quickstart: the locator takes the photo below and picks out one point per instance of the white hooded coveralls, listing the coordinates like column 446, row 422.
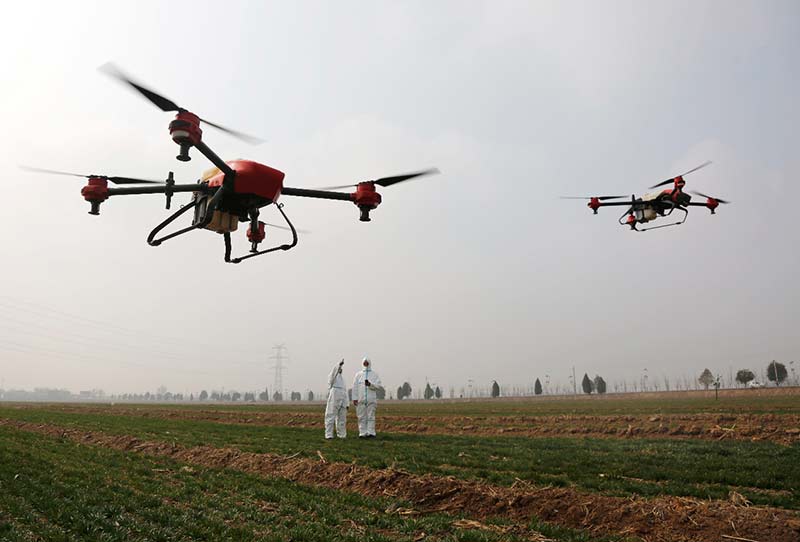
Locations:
column 336, row 409
column 367, row 399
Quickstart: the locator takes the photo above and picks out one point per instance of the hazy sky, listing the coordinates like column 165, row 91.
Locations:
column 479, row 273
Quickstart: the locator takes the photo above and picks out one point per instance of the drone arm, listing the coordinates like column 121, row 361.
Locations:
column 213, row 158
column 614, row 203
column 322, row 194
column 129, row 190
column 255, row 253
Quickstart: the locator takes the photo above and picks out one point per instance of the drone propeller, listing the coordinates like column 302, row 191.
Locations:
column 669, row 181
column 165, row 104
column 115, row 180
column 599, row 198
column 709, row 197
column 387, row 181
column 285, row 228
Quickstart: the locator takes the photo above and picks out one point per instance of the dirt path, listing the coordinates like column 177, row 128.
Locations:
column 658, row 519
column 782, row 429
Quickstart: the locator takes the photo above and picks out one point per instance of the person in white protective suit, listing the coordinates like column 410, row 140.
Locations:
column 365, row 385
column 336, row 409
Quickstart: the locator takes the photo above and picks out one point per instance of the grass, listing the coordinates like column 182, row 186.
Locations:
column 57, row 490
column 765, row 473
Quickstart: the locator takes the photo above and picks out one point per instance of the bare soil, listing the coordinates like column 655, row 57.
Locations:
column 656, row 519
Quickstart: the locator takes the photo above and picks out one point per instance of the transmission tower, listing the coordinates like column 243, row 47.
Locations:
column 279, row 358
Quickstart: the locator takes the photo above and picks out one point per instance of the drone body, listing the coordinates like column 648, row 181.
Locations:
column 233, row 192
column 654, row 205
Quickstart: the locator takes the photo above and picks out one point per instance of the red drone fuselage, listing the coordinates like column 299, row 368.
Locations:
column 252, row 179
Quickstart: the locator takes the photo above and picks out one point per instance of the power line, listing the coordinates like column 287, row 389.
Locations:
column 38, row 311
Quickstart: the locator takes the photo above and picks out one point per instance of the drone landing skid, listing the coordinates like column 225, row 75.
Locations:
column 212, row 205
column 255, row 240
column 685, row 216
column 153, row 242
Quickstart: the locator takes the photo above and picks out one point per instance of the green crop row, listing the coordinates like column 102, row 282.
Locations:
column 57, row 490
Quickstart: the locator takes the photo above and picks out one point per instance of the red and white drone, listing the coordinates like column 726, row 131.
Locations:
column 656, row 204
column 233, row 192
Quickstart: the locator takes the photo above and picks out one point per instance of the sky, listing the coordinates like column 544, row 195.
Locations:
column 480, row 273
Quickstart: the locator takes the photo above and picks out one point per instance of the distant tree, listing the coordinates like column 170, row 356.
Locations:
column 203, row 395
column 380, row 394
column 263, row 396
column 350, row 394
column 776, row 372
column 537, row 387
column 235, row 396
column 277, row 396
column 428, row 391
column 250, row 397
column 743, row 376
column 706, row 378
column 406, row 389
column 599, row 384
column 495, row 389
column 191, row 397
column 310, row 395
column 437, row 393
column 296, row 396
column 587, row 384
column 399, row 392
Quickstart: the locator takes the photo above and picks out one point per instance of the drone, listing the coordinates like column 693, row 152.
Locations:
column 232, row 192
column 657, row 204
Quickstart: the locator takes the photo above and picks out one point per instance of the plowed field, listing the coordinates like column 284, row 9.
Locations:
column 474, row 472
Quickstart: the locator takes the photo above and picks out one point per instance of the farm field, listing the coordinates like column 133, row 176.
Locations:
column 543, row 469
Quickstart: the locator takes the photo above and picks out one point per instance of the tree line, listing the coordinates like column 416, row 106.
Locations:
column 776, row 372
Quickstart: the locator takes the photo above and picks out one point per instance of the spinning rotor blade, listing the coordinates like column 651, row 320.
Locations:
column 285, row 228
column 387, row 181
column 165, row 104
column 600, row 198
column 115, row 180
column 701, row 166
column 240, row 135
column 668, row 181
column 709, row 197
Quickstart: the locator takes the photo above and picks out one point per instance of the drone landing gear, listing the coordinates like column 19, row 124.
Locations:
column 256, row 234
column 632, row 222
column 153, row 242
column 685, row 216
column 212, row 205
